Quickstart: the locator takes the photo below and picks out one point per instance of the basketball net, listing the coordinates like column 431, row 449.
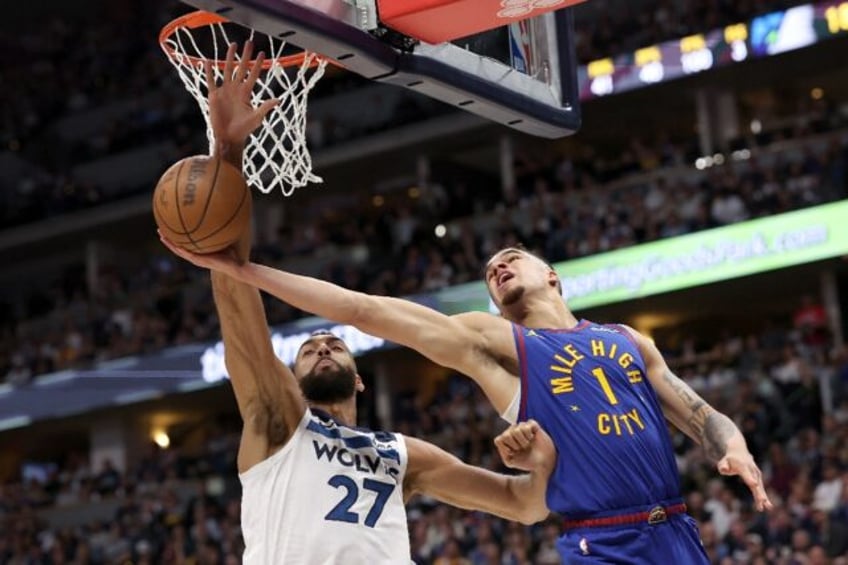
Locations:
column 276, row 154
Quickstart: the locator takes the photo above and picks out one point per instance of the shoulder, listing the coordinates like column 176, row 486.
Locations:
column 424, row 456
column 646, row 345
column 491, row 334
column 637, row 337
column 624, row 328
column 480, row 320
column 389, row 444
column 487, row 329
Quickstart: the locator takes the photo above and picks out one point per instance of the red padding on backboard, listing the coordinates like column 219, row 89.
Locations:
column 438, row 21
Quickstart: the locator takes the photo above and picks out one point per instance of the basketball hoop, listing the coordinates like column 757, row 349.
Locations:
column 276, row 154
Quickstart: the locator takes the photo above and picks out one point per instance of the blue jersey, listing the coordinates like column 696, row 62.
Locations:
column 587, row 387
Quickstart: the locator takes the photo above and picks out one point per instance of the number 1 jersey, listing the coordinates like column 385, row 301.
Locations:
column 333, row 494
column 588, row 388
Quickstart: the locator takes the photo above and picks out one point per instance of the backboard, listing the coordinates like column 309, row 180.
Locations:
column 522, row 75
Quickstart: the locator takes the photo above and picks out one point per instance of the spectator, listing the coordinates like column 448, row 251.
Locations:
column 810, row 319
column 832, row 534
column 828, row 493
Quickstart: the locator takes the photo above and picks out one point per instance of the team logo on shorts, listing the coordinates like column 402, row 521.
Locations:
column 657, row 515
column 584, row 546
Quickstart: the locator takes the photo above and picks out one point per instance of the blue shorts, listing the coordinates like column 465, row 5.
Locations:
column 675, row 541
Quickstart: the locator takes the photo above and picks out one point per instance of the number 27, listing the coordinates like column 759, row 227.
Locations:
column 341, row 512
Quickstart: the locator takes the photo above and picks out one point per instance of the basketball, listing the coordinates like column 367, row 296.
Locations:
column 202, row 204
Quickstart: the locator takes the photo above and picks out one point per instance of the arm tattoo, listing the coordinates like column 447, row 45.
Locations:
column 710, row 428
column 698, row 409
column 717, row 431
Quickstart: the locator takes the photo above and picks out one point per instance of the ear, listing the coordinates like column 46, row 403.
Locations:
column 553, row 279
column 358, row 384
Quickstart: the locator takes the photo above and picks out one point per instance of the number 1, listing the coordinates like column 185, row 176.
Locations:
column 599, row 374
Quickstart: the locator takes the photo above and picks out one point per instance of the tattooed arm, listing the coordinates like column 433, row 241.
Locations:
column 722, row 441
column 691, row 414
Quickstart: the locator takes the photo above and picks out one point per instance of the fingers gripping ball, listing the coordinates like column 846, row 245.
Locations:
column 202, row 204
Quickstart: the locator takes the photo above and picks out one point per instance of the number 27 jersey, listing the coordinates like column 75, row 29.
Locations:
column 332, row 495
column 587, row 387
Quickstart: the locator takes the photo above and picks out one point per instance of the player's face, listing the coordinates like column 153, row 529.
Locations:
column 325, row 370
column 511, row 273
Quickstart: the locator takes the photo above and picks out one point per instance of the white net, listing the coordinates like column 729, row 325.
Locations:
column 276, row 154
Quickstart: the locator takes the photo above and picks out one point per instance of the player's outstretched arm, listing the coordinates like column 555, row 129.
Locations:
column 267, row 394
column 721, row 439
column 473, row 343
column 448, row 340
column 436, row 473
column 269, row 398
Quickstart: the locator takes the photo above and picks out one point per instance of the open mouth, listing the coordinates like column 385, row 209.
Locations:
column 503, row 277
column 325, row 361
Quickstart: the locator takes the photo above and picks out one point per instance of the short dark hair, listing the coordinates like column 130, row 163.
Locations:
column 319, row 333
column 520, row 247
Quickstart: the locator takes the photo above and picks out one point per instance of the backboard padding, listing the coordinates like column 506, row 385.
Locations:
column 445, row 72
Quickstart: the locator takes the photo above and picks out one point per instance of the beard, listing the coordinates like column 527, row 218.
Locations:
column 512, row 296
column 329, row 385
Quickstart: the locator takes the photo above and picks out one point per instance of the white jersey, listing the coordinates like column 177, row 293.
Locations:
column 332, row 495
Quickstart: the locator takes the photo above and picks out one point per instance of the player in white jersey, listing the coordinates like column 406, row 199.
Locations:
column 334, row 493
column 346, row 483
column 317, row 490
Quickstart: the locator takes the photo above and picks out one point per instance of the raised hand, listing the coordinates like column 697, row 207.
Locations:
column 231, row 112
column 226, row 261
column 526, row 446
column 743, row 465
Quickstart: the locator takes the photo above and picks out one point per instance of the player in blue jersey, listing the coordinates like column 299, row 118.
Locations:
column 603, row 392
column 316, row 489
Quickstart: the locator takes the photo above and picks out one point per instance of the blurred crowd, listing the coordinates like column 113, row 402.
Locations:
column 564, row 209
column 619, row 26
column 172, row 507
column 103, row 58
column 111, row 71
column 783, row 386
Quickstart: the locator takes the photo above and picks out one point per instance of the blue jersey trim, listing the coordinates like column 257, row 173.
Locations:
column 623, row 331
column 580, row 325
column 355, row 442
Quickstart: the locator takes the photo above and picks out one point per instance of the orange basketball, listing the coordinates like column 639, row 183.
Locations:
column 202, row 204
